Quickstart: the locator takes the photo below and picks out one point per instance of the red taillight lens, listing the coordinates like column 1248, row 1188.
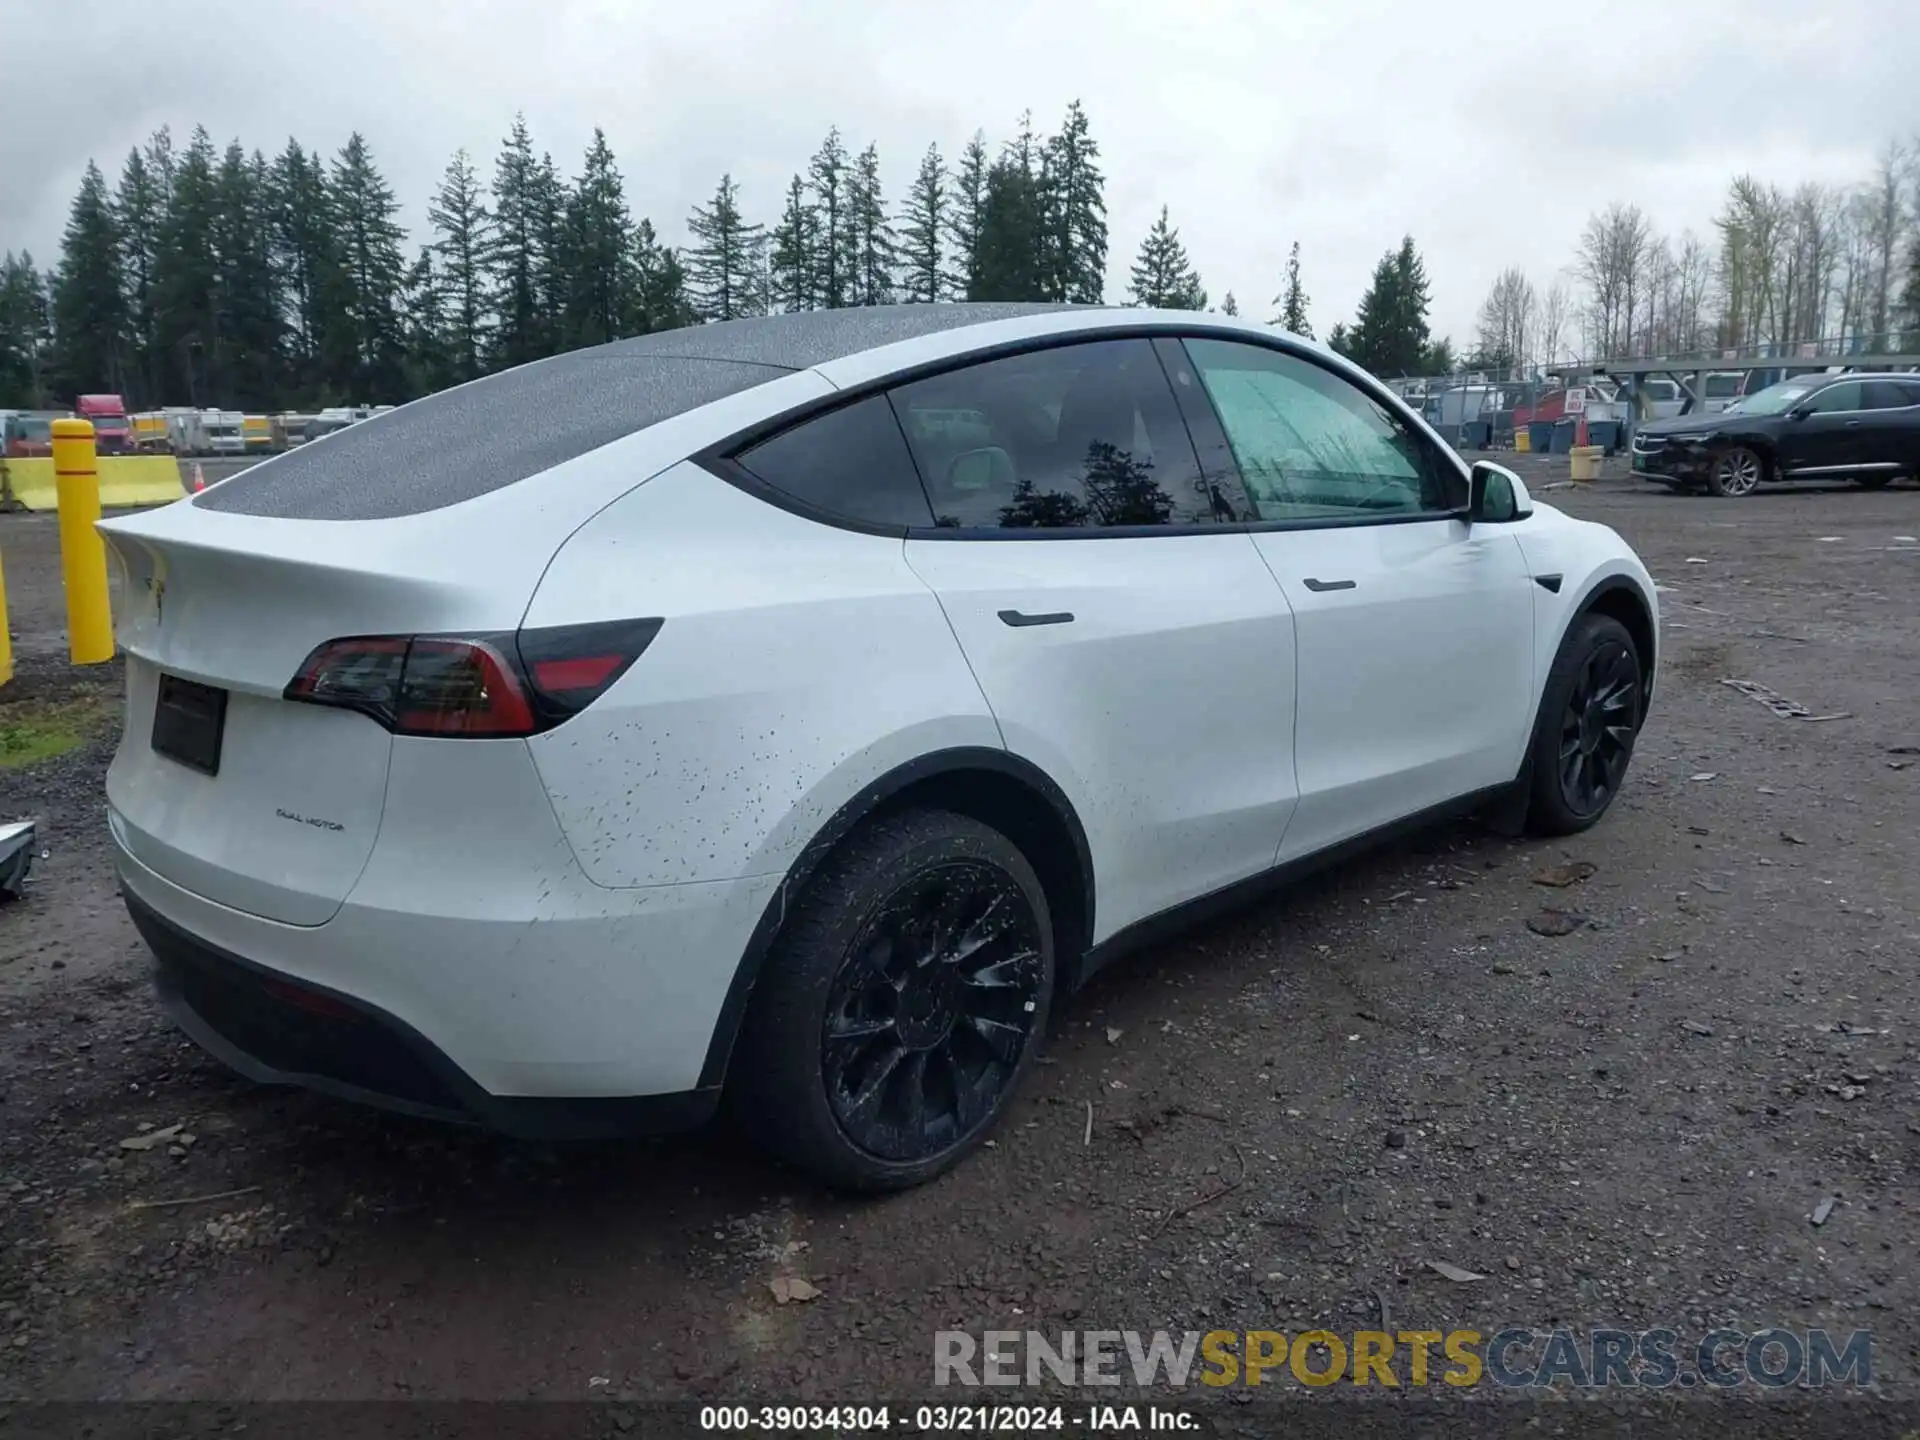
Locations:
column 481, row 686
column 461, row 687
column 571, row 666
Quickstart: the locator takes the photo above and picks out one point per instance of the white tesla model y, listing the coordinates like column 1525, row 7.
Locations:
column 794, row 710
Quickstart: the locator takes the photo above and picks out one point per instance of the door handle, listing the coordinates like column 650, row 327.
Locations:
column 1321, row 586
column 1854, row 424
column 1018, row 618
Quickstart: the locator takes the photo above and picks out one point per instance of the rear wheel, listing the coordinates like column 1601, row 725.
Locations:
column 1583, row 737
column 1872, row 482
column 902, row 1005
column 1737, row 470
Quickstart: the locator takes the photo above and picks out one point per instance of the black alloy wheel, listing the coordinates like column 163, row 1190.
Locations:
column 932, row 1011
column 1597, row 728
column 901, row 1005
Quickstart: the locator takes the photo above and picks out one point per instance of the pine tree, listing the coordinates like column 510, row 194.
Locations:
column 304, row 260
column 1163, row 277
column 793, row 273
column 1293, row 299
column 463, row 228
column 138, row 212
column 1439, row 358
column 552, row 283
column 720, row 263
column 598, row 246
column 430, row 332
column 1229, row 306
column 923, row 233
column 25, row 334
column 365, row 349
column 89, row 311
column 186, row 277
column 1390, row 332
column 967, row 217
column 874, row 250
column 1340, row 340
column 1011, row 248
column 1076, row 213
column 661, row 299
column 836, row 245
column 516, row 262
column 247, row 299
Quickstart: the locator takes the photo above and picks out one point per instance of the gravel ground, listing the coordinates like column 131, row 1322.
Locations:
column 1292, row 1112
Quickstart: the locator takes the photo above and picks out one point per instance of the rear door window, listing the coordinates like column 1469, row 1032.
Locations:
column 848, row 464
column 1890, row 395
column 1080, row 437
column 1837, row 399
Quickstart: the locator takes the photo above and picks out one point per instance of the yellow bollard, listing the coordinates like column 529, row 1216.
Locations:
column 6, row 633
column 83, row 554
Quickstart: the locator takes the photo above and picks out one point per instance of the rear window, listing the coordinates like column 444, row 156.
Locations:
column 482, row 437
column 851, row 463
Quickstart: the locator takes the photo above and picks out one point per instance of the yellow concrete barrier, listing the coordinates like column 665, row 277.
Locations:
column 83, row 554
column 124, row 480
column 1583, row 462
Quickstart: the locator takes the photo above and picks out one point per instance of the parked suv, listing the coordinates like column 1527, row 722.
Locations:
column 1864, row 428
column 798, row 708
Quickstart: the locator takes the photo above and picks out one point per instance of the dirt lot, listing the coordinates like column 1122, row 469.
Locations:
column 1292, row 1112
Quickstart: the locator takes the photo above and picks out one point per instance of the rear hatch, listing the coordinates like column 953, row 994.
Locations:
column 413, row 523
column 221, row 785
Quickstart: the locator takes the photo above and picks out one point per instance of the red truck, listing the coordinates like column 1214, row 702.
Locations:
column 112, row 431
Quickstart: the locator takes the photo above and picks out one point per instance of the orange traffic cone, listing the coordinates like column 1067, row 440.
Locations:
column 200, row 478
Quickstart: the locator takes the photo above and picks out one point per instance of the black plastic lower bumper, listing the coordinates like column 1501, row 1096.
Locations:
column 281, row 1031
column 1672, row 465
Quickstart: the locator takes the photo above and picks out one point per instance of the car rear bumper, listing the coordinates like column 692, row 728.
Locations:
column 593, row 1022
column 278, row 1031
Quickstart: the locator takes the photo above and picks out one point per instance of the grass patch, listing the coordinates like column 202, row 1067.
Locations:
column 32, row 730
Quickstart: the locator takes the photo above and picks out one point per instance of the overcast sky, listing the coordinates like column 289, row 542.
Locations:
column 1487, row 128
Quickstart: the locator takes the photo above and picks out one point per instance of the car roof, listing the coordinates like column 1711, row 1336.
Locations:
column 492, row 432
column 808, row 338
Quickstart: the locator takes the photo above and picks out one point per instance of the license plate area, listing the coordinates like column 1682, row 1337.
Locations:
column 188, row 721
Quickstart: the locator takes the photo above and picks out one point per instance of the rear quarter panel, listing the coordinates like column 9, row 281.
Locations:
column 798, row 663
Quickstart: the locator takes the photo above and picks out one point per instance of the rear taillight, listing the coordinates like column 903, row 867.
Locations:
column 474, row 686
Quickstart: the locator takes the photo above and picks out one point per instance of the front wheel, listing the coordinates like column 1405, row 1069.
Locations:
column 1736, row 471
column 1872, row 482
column 902, row 1005
column 1584, row 733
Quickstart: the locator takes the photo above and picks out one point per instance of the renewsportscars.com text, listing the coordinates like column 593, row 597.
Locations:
column 1509, row 1358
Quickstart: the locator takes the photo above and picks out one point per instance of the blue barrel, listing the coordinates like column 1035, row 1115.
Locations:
column 1562, row 436
column 1605, row 434
column 1540, row 436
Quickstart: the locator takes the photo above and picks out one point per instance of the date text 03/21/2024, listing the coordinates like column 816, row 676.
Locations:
column 943, row 1419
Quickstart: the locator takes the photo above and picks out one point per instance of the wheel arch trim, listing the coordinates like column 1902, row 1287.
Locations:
column 871, row 798
column 1620, row 583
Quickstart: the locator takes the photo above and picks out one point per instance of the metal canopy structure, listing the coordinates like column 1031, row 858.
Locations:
column 1689, row 372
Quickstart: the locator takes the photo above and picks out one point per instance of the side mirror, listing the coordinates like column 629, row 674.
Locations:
column 1799, row 412
column 1496, row 496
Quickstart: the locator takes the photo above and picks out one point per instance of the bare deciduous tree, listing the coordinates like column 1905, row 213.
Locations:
column 1554, row 310
column 1505, row 327
column 1611, row 262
